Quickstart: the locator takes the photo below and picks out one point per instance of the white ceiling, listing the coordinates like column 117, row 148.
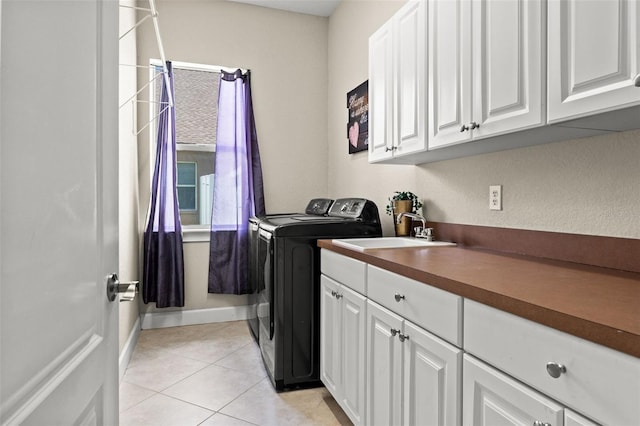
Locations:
column 310, row 7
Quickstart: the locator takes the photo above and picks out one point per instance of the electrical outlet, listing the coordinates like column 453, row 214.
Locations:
column 495, row 197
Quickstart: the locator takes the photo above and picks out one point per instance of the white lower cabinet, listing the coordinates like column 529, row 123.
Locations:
column 384, row 360
column 342, row 346
column 412, row 376
column 599, row 382
column 493, row 398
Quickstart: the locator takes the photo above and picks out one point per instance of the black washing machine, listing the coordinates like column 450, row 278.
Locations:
column 287, row 262
column 317, row 207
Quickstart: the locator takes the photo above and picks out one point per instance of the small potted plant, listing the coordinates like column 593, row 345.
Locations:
column 403, row 201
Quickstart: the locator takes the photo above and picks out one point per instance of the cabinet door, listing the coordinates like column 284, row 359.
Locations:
column 384, row 366
column 449, row 88
column 493, row 398
column 353, row 328
column 410, row 78
column 508, row 66
column 593, row 56
column 381, row 93
column 572, row 418
column 330, row 337
column 432, row 379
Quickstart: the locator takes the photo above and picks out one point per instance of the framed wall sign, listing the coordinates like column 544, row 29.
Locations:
column 358, row 125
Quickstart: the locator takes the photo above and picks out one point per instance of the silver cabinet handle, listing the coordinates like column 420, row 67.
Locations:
column 387, row 149
column 464, row 128
column 338, row 296
column 333, row 293
column 474, row 125
column 539, row 423
column 403, row 337
column 399, row 297
column 394, row 331
column 555, row 370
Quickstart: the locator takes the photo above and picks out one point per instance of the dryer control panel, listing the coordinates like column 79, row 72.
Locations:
column 355, row 208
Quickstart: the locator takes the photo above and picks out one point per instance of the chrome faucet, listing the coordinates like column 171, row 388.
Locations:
column 420, row 232
column 413, row 216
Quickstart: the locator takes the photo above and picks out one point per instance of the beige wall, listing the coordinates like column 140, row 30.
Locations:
column 129, row 228
column 587, row 186
column 303, row 66
column 287, row 55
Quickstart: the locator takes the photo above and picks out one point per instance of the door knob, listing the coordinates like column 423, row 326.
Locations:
column 464, row 128
column 127, row 291
column 474, row 125
column 398, row 297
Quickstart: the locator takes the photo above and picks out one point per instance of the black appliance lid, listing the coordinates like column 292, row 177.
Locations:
column 345, row 212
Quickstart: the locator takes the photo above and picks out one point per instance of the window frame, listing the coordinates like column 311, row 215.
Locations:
column 190, row 233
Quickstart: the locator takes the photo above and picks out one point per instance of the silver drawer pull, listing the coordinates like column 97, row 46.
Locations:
column 403, row 337
column 555, row 370
column 399, row 297
column 394, row 331
column 338, row 296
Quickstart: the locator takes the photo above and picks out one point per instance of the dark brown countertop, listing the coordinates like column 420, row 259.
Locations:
column 597, row 304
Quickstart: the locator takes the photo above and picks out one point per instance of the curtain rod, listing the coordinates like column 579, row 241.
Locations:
column 198, row 67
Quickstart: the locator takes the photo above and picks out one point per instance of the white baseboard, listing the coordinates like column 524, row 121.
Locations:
column 129, row 346
column 193, row 316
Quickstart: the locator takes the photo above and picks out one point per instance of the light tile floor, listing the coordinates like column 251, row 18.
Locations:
column 212, row 374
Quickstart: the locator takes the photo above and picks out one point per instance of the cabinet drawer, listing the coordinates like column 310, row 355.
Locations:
column 435, row 310
column 599, row 382
column 350, row 272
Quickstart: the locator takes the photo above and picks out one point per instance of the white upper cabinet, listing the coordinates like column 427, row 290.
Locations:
column 508, row 66
column 381, row 94
column 486, row 69
column 397, row 76
column 449, row 49
column 593, row 57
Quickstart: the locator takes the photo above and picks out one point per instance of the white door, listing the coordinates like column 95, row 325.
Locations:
column 410, row 78
column 384, row 366
column 353, row 328
column 58, row 215
column 449, row 72
column 492, row 398
column 381, row 109
column 330, row 337
column 432, row 379
column 508, row 66
column 593, row 56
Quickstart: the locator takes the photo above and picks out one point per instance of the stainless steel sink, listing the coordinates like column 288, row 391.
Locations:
column 363, row 244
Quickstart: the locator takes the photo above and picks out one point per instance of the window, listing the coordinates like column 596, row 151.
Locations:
column 196, row 103
column 186, row 183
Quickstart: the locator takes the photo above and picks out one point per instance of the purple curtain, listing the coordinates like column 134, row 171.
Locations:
column 163, row 259
column 237, row 190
